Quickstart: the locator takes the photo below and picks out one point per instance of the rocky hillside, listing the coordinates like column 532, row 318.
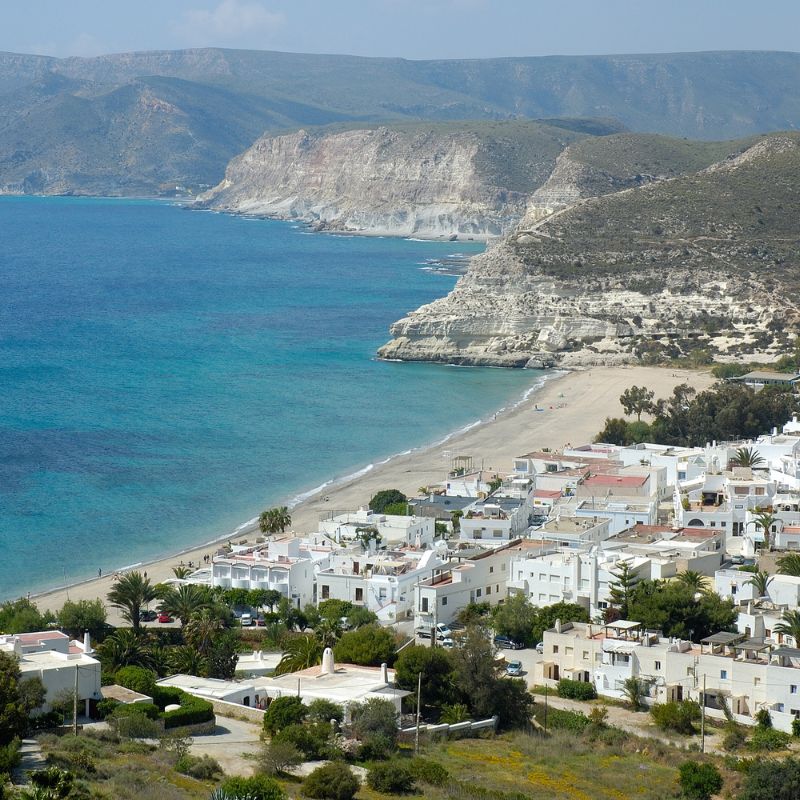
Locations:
column 142, row 122
column 705, row 262
column 433, row 180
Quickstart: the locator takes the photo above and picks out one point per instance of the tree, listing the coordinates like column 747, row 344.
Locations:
column 274, row 520
column 678, row 717
column 137, row 679
column 223, row 656
column 368, row 533
column 635, row 690
column 322, row 710
column 746, row 457
column 185, row 601
column 384, row 498
column 271, row 598
column 368, row 646
column 129, row 594
column 789, row 564
column 636, row 400
column 375, row 726
column 476, row 671
column 13, row 714
column 621, row 588
column 361, row 616
column 546, row 617
column 334, row 781
column 767, row 779
column 22, row 616
column 789, row 625
column 393, row 777
column 282, row 712
column 334, row 610
column 181, row 572
column 201, row 630
column 515, row 618
column 766, row 520
column 124, row 648
column 83, row 616
column 277, row 757
column 299, row 652
column 436, row 668
column 760, row 582
column 188, row 660
column 699, row 781
column 695, row 581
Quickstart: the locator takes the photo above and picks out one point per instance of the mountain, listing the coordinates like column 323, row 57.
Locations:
column 139, row 122
column 699, row 263
column 407, row 179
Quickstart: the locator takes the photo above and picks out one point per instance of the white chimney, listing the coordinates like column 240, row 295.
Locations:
column 328, row 667
column 87, row 644
column 558, row 626
column 385, row 673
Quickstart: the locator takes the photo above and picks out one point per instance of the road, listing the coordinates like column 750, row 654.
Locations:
column 231, row 744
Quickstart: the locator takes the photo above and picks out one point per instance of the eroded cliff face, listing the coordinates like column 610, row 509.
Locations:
column 698, row 265
column 379, row 181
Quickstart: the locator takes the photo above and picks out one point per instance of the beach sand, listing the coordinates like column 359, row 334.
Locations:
column 573, row 409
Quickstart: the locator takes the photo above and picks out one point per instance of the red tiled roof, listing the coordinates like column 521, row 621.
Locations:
column 40, row 636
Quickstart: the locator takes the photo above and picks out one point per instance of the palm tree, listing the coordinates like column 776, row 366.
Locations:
column 184, row 602
column 766, row 520
column 181, row 572
column 300, row 652
column 129, row 593
column 201, row 629
column 790, row 625
column 188, row 660
column 746, row 457
column 274, row 520
column 695, row 581
column 328, row 631
column 789, row 564
column 760, row 581
column 124, row 649
column 634, row 690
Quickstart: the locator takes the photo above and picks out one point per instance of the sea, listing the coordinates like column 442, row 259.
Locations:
column 165, row 374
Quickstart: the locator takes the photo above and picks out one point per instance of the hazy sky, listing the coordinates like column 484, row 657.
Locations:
column 408, row 28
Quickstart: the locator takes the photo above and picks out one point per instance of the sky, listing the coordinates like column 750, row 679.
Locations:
column 417, row 29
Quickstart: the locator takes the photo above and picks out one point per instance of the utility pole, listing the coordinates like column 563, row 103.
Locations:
column 545, row 708
column 75, row 703
column 703, row 717
column 419, row 698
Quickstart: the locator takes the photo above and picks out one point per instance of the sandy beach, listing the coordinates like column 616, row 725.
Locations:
column 570, row 408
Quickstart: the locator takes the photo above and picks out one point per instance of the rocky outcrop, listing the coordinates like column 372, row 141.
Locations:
column 380, row 181
column 691, row 266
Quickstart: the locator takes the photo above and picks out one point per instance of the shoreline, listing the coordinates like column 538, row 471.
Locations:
column 565, row 407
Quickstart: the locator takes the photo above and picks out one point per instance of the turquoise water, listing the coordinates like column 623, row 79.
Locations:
column 166, row 374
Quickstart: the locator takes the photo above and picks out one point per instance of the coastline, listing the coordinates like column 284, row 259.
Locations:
column 559, row 408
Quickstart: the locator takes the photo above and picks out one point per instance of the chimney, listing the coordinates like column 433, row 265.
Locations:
column 87, row 644
column 589, row 631
column 558, row 626
column 385, row 673
column 328, row 667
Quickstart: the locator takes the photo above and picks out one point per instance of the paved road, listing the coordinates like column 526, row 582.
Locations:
column 230, row 743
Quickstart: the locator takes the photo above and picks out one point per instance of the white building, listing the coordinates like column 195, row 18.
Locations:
column 621, row 512
column 284, row 564
column 394, row 530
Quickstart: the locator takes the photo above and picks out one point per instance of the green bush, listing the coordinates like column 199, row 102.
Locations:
column 334, row 781
column 427, row 771
column 204, row 768
column 385, row 498
column 123, row 710
column 322, row 710
column 311, row 740
column 763, row 718
column 562, row 720
column 137, row 679
column 282, row 712
column 259, row 787
column 796, row 726
column 699, row 781
column 106, row 706
column 9, row 756
column 393, row 777
column 192, row 711
column 678, row 717
column 576, row 690
column 768, row 739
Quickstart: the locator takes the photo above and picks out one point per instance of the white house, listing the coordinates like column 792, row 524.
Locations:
column 394, row 530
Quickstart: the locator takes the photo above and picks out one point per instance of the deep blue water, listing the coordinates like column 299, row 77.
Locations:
column 166, row 374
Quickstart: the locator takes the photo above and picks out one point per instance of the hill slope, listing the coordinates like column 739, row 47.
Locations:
column 707, row 260
column 179, row 116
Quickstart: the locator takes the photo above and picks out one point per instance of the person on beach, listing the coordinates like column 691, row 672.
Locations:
column 100, row 573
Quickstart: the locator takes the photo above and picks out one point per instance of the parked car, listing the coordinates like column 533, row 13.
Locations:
column 507, row 643
column 448, row 642
column 540, row 648
column 514, row 668
column 148, row 616
column 246, row 620
column 260, row 621
column 442, row 632
column 165, row 618
column 737, row 559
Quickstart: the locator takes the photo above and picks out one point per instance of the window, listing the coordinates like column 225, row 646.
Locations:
column 555, row 648
column 793, row 689
column 444, row 601
column 657, row 666
column 497, row 533
column 478, row 593
column 424, row 605
column 491, row 570
column 326, row 591
column 488, row 590
column 568, row 651
column 497, row 587
column 723, row 674
column 503, row 568
column 359, row 595
column 780, row 707
column 585, row 655
column 756, row 681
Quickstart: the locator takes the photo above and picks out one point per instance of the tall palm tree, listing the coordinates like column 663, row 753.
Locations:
column 274, row 520
column 746, row 457
column 201, row 629
column 124, row 649
column 766, row 520
column 181, row 572
column 790, row 625
column 789, row 564
column 760, row 581
column 184, row 601
column 695, row 581
column 300, row 652
column 129, row 593
column 328, row 631
column 188, row 660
